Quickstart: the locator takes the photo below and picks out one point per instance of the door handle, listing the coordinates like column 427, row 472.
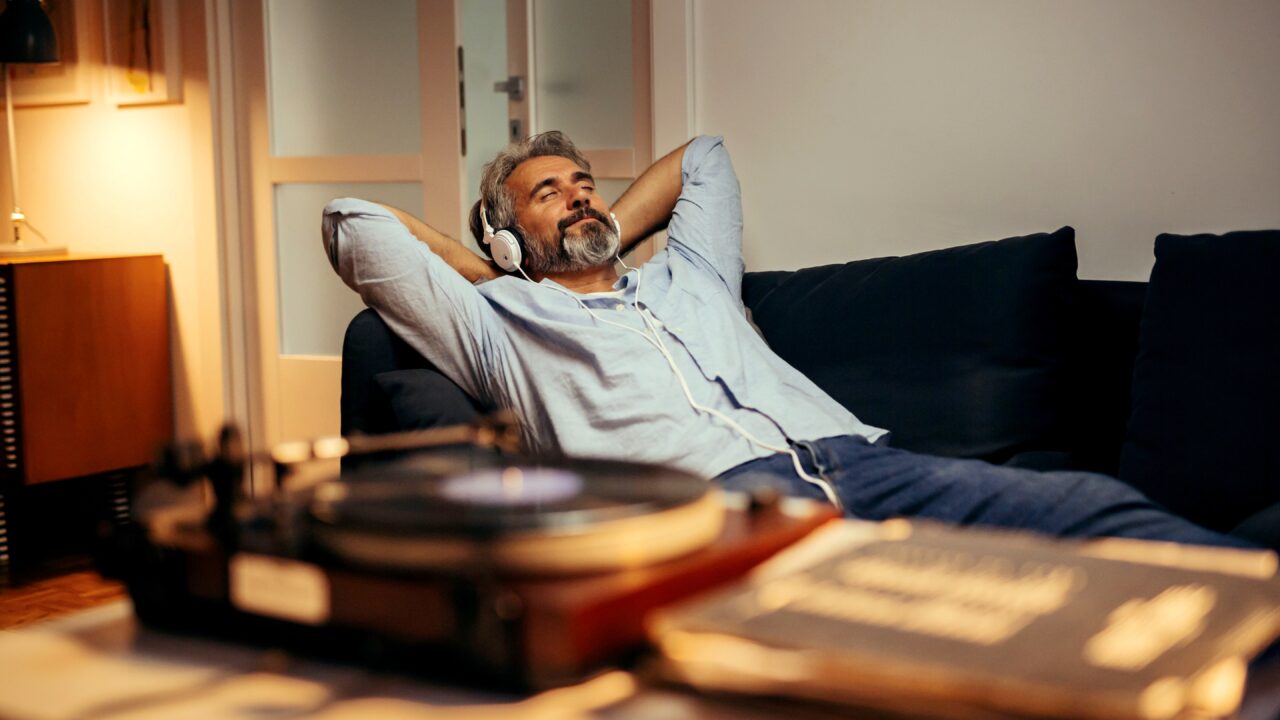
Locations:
column 512, row 86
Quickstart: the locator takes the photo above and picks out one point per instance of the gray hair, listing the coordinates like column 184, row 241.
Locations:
column 499, row 202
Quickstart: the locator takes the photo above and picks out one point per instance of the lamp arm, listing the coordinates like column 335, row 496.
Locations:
column 16, row 216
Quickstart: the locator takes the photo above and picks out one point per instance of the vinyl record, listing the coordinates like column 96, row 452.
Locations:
column 464, row 511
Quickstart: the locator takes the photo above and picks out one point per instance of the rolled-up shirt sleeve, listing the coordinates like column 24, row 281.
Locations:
column 423, row 300
column 706, row 225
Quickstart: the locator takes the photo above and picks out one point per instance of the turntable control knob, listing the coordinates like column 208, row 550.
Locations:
column 508, row 606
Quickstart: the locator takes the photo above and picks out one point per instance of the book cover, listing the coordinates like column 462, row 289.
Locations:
column 926, row 619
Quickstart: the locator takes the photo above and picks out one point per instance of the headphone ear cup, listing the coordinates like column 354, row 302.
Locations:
column 506, row 249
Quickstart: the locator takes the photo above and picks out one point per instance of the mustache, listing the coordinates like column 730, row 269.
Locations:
column 584, row 213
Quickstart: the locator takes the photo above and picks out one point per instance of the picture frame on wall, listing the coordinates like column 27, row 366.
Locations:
column 143, row 58
column 65, row 82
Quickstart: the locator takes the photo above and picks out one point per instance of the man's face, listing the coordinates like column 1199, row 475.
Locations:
column 566, row 225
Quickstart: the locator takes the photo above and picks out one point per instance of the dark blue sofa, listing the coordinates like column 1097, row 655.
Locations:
column 997, row 351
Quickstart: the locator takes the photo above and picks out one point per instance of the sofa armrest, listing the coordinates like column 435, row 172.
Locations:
column 387, row 386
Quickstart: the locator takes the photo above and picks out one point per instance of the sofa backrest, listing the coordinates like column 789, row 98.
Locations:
column 1081, row 398
column 959, row 352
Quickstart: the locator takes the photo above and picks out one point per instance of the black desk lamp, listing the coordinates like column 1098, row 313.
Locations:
column 26, row 36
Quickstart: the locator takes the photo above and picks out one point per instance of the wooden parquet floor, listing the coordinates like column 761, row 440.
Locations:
column 57, row 587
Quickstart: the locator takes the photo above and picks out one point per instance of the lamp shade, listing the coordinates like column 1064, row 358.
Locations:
column 26, row 35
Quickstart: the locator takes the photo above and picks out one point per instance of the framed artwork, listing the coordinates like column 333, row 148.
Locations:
column 143, row 59
column 65, row 82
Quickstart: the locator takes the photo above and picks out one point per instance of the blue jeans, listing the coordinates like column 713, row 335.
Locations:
column 877, row 483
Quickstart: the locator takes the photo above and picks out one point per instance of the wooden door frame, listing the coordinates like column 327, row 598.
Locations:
column 243, row 399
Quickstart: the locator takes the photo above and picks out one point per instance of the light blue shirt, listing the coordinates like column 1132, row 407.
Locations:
column 587, row 388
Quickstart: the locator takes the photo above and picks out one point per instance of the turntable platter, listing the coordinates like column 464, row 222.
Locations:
column 513, row 516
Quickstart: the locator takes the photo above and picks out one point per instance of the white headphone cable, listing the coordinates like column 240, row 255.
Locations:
column 821, row 483
column 656, row 341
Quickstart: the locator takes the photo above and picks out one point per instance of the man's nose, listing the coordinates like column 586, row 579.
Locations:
column 580, row 199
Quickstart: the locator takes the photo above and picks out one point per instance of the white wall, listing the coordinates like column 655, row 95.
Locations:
column 863, row 128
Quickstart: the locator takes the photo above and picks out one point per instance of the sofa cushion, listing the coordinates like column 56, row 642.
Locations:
column 387, row 386
column 959, row 352
column 422, row 398
column 1206, row 385
column 1262, row 527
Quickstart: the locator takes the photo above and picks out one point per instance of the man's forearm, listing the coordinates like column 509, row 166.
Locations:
column 469, row 265
column 646, row 206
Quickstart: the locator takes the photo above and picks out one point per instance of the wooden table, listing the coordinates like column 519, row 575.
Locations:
column 101, row 664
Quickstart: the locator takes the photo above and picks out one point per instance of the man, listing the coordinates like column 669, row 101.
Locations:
column 660, row 364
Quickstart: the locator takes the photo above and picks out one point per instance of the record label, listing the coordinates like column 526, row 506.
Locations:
column 514, row 485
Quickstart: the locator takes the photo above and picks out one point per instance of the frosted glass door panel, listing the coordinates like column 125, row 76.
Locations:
column 612, row 188
column 315, row 306
column 484, row 54
column 582, row 61
column 343, row 77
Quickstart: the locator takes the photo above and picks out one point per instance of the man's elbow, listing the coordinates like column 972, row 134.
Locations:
column 339, row 223
column 330, row 225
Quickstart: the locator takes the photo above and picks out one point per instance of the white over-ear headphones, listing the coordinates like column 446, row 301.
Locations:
column 504, row 245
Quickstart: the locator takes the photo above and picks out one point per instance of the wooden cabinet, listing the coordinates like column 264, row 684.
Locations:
column 85, row 383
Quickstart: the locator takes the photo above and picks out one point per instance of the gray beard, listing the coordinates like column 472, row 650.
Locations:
column 597, row 245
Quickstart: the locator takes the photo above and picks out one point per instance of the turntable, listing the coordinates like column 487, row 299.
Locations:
column 445, row 552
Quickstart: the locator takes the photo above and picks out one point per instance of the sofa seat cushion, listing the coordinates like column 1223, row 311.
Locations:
column 1206, row 385
column 959, row 352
